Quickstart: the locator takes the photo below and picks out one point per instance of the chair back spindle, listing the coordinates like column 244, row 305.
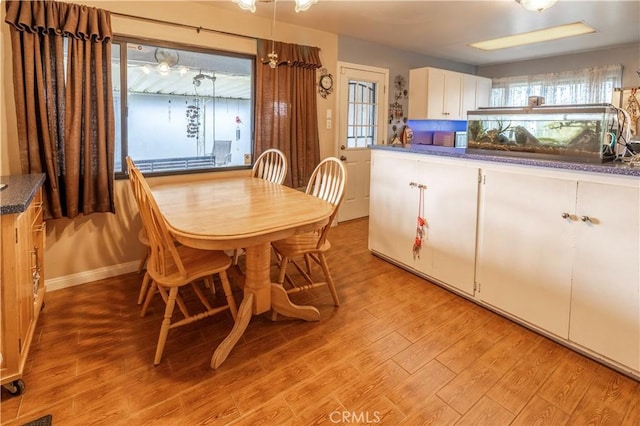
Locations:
column 271, row 165
column 327, row 183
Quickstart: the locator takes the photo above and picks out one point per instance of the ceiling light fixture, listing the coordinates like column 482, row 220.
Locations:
column 250, row 5
column 548, row 34
column 536, row 5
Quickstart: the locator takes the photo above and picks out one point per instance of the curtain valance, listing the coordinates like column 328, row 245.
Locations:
column 52, row 17
column 293, row 55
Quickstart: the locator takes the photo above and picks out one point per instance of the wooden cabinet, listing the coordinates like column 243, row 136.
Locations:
column 22, row 285
column 436, row 94
column 563, row 255
column 450, row 209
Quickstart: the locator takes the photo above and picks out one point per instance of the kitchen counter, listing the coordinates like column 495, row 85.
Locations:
column 614, row 168
column 20, row 190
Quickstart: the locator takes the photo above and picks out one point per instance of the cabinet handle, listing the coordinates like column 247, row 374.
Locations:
column 585, row 219
column 418, row 185
column 566, row 215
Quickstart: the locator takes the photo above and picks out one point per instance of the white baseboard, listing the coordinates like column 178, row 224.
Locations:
column 73, row 280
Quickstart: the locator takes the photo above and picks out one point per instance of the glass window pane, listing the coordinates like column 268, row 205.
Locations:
column 187, row 109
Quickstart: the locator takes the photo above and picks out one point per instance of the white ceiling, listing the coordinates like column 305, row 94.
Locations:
column 444, row 28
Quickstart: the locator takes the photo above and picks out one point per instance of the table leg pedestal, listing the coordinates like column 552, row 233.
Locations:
column 242, row 321
column 281, row 303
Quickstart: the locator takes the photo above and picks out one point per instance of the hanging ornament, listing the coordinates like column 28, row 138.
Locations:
column 238, row 123
column 421, row 222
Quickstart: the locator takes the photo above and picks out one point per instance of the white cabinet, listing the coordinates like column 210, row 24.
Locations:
column 435, row 94
column 438, row 94
column 392, row 206
column 476, row 93
column 563, row 254
column 605, row 303
column 525, row 249
column 450, row 209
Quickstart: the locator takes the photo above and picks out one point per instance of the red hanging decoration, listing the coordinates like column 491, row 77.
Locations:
column 421, row 224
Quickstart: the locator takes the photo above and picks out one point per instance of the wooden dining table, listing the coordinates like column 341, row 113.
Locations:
column 248, row 213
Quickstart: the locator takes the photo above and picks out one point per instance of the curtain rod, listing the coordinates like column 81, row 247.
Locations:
column 178, row 24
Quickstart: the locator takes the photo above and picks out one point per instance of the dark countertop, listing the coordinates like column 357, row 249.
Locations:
column 612, row 168
column 20, row 190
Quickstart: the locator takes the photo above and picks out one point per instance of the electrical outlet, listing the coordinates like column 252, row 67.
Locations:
column 247, row 159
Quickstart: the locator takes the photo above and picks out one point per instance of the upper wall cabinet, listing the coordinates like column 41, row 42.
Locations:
column 476, row 93
column 436, row 94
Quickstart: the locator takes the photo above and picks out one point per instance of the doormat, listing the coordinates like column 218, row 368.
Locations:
column 42, row 421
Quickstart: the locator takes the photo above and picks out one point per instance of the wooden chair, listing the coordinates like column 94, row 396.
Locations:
column 271, row 165
column 327, row 182
column 144, row 240
column 173, row 266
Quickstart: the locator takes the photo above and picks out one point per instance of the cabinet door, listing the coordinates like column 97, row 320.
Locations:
column 469, row 83
column 525, row 250
column 605, row 303
column 393, row 206
column 417, row 109
column 452, row 96
column 450, row 208
column 483, row 92
column 436, row 98
column 476, row 93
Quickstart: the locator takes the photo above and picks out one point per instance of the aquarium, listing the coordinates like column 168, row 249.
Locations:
column 583, row 133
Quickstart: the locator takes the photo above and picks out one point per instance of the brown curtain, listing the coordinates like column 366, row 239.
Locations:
column 286, row 107
column 65, row 128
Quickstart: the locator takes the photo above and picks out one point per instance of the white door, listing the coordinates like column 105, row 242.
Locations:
column 362, row 100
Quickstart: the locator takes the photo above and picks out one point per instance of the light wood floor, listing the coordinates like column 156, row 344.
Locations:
column 398, row 351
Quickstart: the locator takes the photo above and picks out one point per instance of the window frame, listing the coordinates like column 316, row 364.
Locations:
column 122, row 41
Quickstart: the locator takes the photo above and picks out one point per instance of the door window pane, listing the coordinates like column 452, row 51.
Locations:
column 361, row 114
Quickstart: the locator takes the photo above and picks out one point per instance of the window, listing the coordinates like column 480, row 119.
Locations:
column 182, row 109
column 584, row 86
column 362, row 110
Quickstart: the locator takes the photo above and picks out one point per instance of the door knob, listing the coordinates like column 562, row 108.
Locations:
column 343, row 158
column 342, row 147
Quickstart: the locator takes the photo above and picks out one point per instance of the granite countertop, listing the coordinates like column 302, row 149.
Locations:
column 20, row 190
column 614, row 168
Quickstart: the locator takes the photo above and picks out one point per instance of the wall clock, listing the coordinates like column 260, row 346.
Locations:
column 326, row 83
